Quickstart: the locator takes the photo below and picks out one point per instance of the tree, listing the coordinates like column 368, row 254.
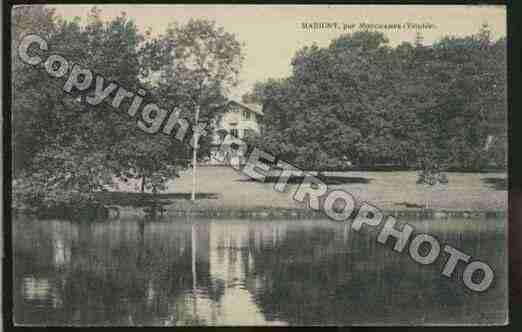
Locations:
column 68, row 131
column 200, row 62
column 470, row 92
column 333, row 108
column 25, row 99
column 359, row 100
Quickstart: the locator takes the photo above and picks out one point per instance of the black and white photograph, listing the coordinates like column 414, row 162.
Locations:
column 258, row 165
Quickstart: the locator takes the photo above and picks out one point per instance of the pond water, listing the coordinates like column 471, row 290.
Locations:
column 240, row 272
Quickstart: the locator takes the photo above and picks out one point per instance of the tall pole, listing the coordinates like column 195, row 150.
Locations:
column 194, row 154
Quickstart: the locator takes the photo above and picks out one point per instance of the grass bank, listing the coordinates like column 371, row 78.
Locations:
column 223, row 192
column 224, row 187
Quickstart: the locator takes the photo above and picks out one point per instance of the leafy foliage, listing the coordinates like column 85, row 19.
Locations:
column 65, row 149
column 362, row 101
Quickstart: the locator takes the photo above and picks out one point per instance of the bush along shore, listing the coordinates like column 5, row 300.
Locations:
column 165, row 212
column 84, row 212
column 283, row 214
column 305, row 213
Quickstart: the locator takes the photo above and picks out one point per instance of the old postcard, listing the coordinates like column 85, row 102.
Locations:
column 225, row 165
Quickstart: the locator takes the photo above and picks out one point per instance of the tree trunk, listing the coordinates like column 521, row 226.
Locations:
column 143, row 184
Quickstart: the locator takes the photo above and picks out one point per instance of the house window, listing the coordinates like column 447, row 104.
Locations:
column 234, row 133
column 245, row 115
column 249, row 132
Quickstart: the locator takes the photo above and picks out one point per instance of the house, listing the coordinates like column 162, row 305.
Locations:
column 236, row 122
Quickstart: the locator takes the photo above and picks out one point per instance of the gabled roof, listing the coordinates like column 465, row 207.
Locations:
column 256, row 108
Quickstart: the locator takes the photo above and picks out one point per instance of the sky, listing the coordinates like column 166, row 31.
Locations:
column 273, row 33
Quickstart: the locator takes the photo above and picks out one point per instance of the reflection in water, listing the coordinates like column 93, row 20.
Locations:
column 180, row 272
